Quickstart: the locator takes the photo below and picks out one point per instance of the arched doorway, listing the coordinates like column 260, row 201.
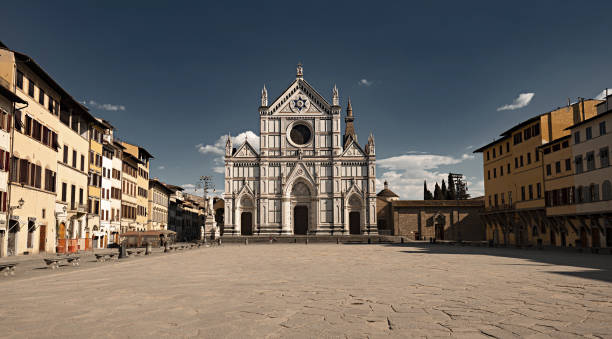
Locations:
column 247, row 211
column 301, row 200
column 246, row 223
column 595, row 239
column 300, row 220
column 439, row 222
column 354, row 223
column 354, row 208
column 553, row 237
column 584, row 242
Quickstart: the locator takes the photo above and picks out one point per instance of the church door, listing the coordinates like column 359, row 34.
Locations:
column 354, row 223
column 553, row 237
column 246, row 223
column 439, row 232
column 595, row 240
column 300, row 220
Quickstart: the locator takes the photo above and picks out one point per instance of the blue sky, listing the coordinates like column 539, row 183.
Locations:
column 426, row 78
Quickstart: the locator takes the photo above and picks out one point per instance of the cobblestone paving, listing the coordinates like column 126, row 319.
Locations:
column 319, row 290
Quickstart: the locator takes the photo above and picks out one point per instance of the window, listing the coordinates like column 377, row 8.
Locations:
column 65, row 155
column 495, row 173
column 500, row 150
column 41, row 97
column 527, row 133
column 535, row 129
column 495, row 199
column 20, row 80
column 518, row 138
column 578, row 161
column 64, row 188
column 488, row 156
column 589, row 133
column 82, row 162
column 539, row 190
column 80, row 196
column 493, row 153
column 489, row 174
column 537, row 155
column 508, row 169
column 604, row 157
column 568, row 164
column 49, row 180
column 528, row 158
column 606, row 190
column 31, row 88
column 507, row 147
column 577, row 137
column 602, row 128
column 523, row 193
column 521, row 158
column 4, row 160
column 530, row 192
column 558, row 167
column 501, row 171
column 74, row 158
column 590, row 159
column 515, row 162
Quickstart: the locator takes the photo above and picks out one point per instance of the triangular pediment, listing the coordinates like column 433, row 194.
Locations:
column 246, row 151
column 300, row 98
column 300, row 171
column 353, row 150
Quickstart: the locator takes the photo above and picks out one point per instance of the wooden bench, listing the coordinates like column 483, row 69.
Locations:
column 100, row 257
column 74, row 260
column 53, row 263
column 113, row 255
column 8, row 268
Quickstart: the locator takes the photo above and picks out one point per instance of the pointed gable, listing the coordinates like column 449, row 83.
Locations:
column 245, row 151
column 353, row 150
column 300, row 98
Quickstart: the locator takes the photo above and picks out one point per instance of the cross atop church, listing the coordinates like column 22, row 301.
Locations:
column 300, row 71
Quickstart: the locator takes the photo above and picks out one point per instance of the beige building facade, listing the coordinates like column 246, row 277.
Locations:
column 159, row 197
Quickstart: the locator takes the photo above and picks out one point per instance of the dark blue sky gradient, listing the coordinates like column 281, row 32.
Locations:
column 188, row 72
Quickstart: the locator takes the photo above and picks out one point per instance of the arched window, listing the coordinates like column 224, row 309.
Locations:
column 579, row 194
column 594, row 190
column 606, row 190
column 534, row 231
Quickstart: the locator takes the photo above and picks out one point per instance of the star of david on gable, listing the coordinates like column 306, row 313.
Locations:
column 299, row 104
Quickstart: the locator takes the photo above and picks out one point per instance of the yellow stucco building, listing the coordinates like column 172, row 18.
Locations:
column 142, row 182
column 514, row 175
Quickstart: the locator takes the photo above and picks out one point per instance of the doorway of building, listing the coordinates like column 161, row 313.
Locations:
column 300, row 220
column 42, row 238
column 246, row 223
column 354, row 223
column 563, row 241
column 583, row 238
column 12, row 237
column 595, row 239
column 553, row 237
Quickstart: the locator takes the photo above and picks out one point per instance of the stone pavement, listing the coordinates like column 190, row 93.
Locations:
column 319, row 290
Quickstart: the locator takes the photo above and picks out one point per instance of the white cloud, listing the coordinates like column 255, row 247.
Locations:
column 602, row 94
column 365, row 82
column 189, row 188
column 521, row 101
column 405, row 173
column 219, row 146
column 104, row 107
column 161, row 168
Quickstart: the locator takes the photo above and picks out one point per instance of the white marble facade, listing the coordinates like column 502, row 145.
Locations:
column 307, row 178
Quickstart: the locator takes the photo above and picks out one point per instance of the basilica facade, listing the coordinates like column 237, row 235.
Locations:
column 307, row 177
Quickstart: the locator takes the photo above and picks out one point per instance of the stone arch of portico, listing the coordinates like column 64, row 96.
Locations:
column 291, row 200
column 245, row 203
column 354, row 202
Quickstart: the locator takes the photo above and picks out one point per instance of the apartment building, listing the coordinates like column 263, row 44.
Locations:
column 7, row 103
column 513, row 174
column 96, row 130
column 116, row 191
column 159, row 197
column 72, row 177
column 142, row 182
column 129, row 200
column 591, row 143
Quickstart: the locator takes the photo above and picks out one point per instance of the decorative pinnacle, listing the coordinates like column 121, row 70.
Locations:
column 300, row 71
column 349, row 108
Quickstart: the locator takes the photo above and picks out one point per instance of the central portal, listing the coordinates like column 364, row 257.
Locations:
column 300, row 220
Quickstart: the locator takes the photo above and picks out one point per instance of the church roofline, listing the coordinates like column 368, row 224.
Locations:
column 326, row 105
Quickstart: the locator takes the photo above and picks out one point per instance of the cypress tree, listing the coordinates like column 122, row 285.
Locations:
column 452, row 193
column 444, row 191
column 426, row 193
column 437, row 193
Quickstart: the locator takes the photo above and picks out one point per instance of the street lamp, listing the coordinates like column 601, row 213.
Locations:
column 11, row 209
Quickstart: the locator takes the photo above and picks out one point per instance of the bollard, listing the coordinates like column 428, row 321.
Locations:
column 122, row 250
column 246, row 241
column 306, row 241
column 166, row 248
column 295, row 240
column 338, row 241
column 148, row 248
